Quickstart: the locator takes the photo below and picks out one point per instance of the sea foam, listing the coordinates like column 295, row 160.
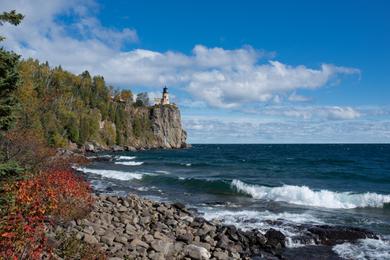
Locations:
column 120, row 175
column 130, row 163
column 364, row 249
column 122, row 157
column 288, row 223
column 303, row 195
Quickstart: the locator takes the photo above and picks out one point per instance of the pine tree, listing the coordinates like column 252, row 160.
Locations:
column 12, row 17
column 9, row 79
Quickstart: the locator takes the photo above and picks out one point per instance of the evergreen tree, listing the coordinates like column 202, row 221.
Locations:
column 10, row 17
column 142, row 99
column 9, row 76
column 9, row 80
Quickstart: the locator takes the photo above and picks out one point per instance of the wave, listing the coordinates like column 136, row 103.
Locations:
column 130, row 163
column 285, row 222
column 163, row 172
column 303, row 195
column 105, row 156
column 364, row 249
column 122, row 157
column 120, row 175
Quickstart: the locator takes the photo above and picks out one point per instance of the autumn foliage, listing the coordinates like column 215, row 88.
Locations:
column 53, row 196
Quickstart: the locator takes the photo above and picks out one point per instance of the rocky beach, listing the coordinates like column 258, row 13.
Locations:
column 132, row 227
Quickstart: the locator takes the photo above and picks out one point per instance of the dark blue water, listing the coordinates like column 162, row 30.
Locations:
column 253, row 185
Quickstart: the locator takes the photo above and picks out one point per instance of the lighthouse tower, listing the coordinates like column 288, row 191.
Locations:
column 165, row 97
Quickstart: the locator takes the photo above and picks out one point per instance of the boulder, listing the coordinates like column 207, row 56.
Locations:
column 197, row 252
column 161, row 246
column 90, row 239
column 108, row 238
column 331, row 235
column 275, row 238
column 136, row 242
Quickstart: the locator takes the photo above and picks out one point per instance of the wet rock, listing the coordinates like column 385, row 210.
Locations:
column 275, row 239
column 179, row 205
column 331, row 235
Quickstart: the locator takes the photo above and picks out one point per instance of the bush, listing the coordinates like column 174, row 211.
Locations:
column 50, row 197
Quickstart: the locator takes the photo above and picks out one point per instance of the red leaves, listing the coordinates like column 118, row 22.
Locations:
column 58, row 195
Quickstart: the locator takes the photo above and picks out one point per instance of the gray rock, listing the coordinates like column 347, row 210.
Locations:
column 166, row 126
column 112, row 199
column 121, row 239
column 108, row 238
column 186, row 237
column 161, row 246
column 221, row 255
column 88, row 230
column 136, row 242
column 122, row 209
column 90, row 239
column 79, row 235
column 197, row 252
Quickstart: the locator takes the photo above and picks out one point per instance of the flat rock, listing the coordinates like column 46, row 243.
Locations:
column 136, row 242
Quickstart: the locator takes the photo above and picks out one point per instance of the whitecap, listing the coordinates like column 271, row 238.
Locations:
column 130, row 163
column 287, row 223
column 364, row 249
column 98, row 156
column 119, row 175
column 163, row 172
column 122, row 157
column 303, row 195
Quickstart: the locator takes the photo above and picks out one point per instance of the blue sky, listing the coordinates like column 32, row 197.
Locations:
column 241, row 71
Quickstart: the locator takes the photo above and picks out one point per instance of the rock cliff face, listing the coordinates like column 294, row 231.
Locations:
column 147, row 128
column 167, row 128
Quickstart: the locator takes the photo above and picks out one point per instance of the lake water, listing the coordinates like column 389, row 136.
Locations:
column 263, row 186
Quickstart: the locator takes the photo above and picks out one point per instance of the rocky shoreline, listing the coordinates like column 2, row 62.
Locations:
column 136, row 228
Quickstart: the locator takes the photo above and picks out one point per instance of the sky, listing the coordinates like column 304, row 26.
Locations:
column 240, row 71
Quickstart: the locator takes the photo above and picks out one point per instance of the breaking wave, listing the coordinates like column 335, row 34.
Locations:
column 287, row 223
column 364, row 249
column 122, row 157
column 120, row 175
column 303, row 195
column 130, row 163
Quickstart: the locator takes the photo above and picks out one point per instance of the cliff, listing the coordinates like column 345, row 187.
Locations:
column 167, row 128
column 157, row 127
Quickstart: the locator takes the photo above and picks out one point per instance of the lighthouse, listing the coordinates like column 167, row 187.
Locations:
column 165, row 96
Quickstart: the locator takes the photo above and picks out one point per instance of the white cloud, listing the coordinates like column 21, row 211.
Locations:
column 294, row 97
column 313, row 112
column 237, row 130
column 219, row 77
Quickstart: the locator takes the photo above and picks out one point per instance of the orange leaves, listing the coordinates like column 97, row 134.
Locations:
column 57, row 195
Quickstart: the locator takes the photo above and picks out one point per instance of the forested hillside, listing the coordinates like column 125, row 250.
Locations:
column 69, row 110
